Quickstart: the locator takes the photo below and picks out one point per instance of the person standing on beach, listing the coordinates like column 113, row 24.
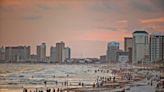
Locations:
column 54, row 90
column 93, row 85
column 58, row 90
column 45, row 83
column 151, row 83
column 114, row 79
column 24, row 90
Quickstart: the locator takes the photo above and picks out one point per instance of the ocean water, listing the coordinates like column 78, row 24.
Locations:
column 55, row 75
column 15, row 77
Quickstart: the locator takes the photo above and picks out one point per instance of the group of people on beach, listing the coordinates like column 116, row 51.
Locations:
column 101, row 71
column 155, row 80
column 101, row 80
column 127, row 76
column 43, row 90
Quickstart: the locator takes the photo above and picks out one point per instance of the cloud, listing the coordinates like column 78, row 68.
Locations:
column 43, row 7
column 107, row 28
column 155, row 20
column 121, row 21
column 104, row 35
column 106, row 6
column 6, row 9
column 141, row 5
column 158, row 3
column 32, row 17
column 16, row 2
column 146, row 6
column 39, row 5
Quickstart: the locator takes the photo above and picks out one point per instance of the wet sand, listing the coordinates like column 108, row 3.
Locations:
column 10, row 90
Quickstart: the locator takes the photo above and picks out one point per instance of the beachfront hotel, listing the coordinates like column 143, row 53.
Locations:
column 140, row 47
column 18, row 54
column 128, row 46
column 52, row 54
column 41, row 52
column 112, row 49
column 62, row 53
column 2, row 54
column 156, row 47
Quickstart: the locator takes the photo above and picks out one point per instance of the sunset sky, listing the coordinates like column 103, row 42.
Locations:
column 84, row 25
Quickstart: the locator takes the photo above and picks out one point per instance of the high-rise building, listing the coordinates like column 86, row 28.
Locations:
column 2, row 54
column 140, row 47
column 41, row 52
column 17, row 54
column 60, row 52
column 112, row 49
column 63, row 53
column 53, row 54
column 128, row 44
column 156, row 47
column 67, row 53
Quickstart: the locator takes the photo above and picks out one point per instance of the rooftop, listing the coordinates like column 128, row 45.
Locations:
column 113, row 43
column 140, row 32
column 158, row 34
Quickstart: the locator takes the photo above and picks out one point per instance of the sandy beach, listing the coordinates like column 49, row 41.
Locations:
column 76, row 78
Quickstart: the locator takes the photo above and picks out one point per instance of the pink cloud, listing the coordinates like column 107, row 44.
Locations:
column 121, row 21
column 105, row 35
column 154, row 20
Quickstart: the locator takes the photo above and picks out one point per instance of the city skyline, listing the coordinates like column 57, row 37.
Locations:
column 141, row 48
column 86, row 26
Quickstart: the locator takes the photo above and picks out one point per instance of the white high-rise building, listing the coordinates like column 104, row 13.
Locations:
column 112, row 49
column 140, row 47
column 41, row 52
column 156, row 47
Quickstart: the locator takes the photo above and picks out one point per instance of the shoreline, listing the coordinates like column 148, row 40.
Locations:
column 120, row 83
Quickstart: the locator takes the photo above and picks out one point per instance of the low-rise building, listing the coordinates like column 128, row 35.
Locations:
column 122, row 57
column 17, row 54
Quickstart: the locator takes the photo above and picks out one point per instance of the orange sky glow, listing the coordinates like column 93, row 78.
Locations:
column 84, row 25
